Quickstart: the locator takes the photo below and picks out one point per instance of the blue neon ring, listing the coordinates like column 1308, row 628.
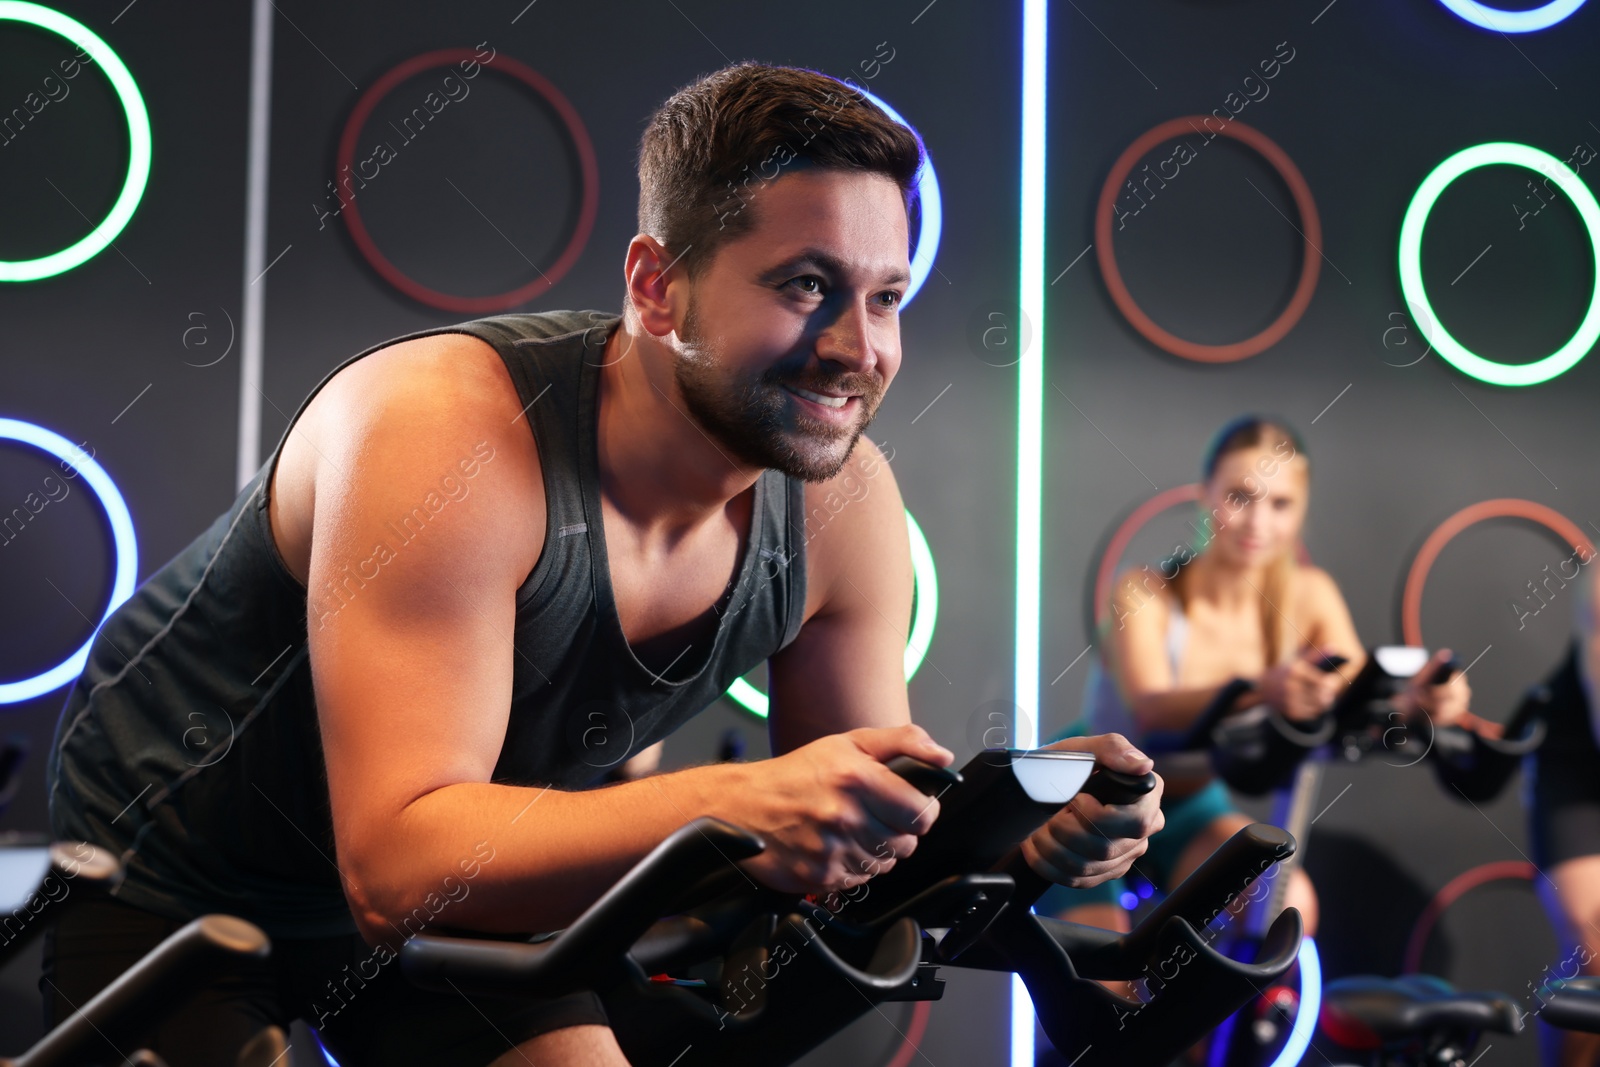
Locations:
column 932, row 222
column 121, row 532
column 1503, row 21
column 1305, row 1017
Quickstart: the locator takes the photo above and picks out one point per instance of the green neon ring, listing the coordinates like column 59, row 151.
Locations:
column 924, row 619
column 1562, row 359
column 28, row 270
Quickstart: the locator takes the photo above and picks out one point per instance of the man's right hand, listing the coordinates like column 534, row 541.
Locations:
column 831, row 813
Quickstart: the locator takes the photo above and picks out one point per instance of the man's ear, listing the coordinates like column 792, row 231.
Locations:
column 656, row 292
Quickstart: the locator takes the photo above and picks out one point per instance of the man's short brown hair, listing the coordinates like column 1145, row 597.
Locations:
column 716, row 142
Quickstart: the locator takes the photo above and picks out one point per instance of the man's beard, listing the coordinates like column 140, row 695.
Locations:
column 747, row 418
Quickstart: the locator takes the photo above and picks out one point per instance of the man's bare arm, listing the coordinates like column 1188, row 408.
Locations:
column 413, row 670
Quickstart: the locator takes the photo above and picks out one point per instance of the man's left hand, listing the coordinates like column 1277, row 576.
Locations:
column 1088, row 842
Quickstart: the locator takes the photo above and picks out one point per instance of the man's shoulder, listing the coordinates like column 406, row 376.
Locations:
column 423, row 392
column 517, row 330
column 425, row 360
column 535, row 326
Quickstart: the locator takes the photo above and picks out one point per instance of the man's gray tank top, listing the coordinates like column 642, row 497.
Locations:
column 190, row 746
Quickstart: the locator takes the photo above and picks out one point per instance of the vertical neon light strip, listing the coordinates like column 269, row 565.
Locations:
column 1030, row 432
column 255, row 244
column 1030, row 377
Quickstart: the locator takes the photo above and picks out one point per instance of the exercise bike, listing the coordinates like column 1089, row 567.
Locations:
column 1257, row 751
column 44, row 878
column 697, row 966
column 1418, row 1020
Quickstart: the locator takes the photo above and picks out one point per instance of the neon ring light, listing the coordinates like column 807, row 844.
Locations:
column 1305, row 1018
column 1454, row 890
column 1306, row 1015
column 925, row 619
column 1496, row 18
column 121, row 532
column 576, row 130
column 1118, row 544
column 1125, row 531
column 86, row 248
column 1502, row 508
column 931, row 208
column 1416, row 218
column 1310, row 224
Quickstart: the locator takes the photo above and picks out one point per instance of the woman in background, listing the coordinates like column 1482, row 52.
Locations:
column 1564, row 809
column 1237, row 606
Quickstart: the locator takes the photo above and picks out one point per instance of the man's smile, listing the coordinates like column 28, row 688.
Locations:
column 839, row 410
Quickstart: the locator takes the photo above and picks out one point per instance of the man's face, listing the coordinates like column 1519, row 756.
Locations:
column 792, row 333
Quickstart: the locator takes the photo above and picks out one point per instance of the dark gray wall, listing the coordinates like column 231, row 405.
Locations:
column 1376, row 94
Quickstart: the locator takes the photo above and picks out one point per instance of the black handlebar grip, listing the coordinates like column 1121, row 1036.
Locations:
column 91, row 865
column 1114, row 787
column 926, row 777
column 1534, row 707
column 188, row 961
column 76, row 869
column 1571, row 1004
column 269, row 1048
column 1446, row 671
column 1331, row 663
column 1218, row 882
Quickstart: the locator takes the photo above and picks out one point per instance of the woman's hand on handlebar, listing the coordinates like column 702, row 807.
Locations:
column 1298, row 689
column 1088, row 842
column 831, row 813
column 1446, row 704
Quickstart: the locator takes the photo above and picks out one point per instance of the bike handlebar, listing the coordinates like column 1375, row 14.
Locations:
column 1202, row 897
column 591, row 949
column 1214, row 886
column 186, row 962
column 1257, row 752
column 703, row 854
column 890, row 951
column 1572, row 1004
column 72, row 870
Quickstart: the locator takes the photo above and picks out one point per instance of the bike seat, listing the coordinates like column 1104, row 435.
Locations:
column 1573, row 1004
column 1367, row 1013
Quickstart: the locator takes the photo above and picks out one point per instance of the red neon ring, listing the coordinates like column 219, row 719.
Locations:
column 1501, row 508
column 1454, row 890
column 1131, row 525
column 575, row 129
column 911, row 1044
column 1309, row 270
